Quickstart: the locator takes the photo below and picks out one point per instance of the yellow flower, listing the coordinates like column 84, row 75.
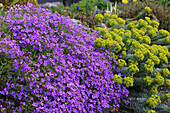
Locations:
column 118, row 39
column 106, row 16
column 112, row 22
column 148, row 80
column 121, row 21
column 154, row 89
column 123, row 54
column 155, row 59
column 168, row 82
column 114, row 56
column 148, row 9
column 128, row 81
column 1, row 5
column 114, row 16
column 99, row 17
column 151, row 111
column 138, row 55
column 163, row 58
column 128, row 33
column 133, row 68
column 168, row 97
column 168, row 39
column 153, row 100
column 165, row 72
column 159, row 79
column 108, row 43
column 121, row 63
column 107, row 36
column 146, row 39
column 124, row 1
column 99, row 42
column 134, row 1
column 117, row 79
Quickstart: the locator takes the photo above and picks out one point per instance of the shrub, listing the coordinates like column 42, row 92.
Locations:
column 49, row 64
column 138, row 46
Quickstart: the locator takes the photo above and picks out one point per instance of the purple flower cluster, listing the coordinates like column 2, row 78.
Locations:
column 55, row 66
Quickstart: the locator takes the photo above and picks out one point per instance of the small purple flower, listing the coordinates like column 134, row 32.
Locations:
column 102, row 12
column 77, row 7
column 97, row 12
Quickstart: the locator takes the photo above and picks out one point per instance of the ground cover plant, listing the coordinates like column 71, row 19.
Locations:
column 49, row 64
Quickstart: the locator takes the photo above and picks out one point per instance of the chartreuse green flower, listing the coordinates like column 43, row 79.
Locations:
column 148, row 66
column 151, row 32
column 167, row 39
column 106, row 16
column 146, row 39
column 99, row 42
column 148, row 20
column 155, row 24
column 148, row 80
column 114, row 16
column 118, row 39
column 142, row 23
column 121, row 33
column 154, row 58
column 154, row 89
column 165, row 72
column 130, row 61
column 128, row 34
column 168, row 97
column 98, row 28
column 121, row 63
column 151, row 111
column 148, row 9
column 104, row 31
column 114, row 56
column 138, row 55
column 116, row 30
column 128, row 81
column 144, row 49
column 116, row 48
column 121, row 21
column 164, row 32
column 123, row 53
column 112, row 22
column 108, row 43
column 99, row 17
column 163, row 58
column 168, row 82
column 133, row 68
column 143, row 29
column 159, row 79
column 117, row 79
column 153, row 100
column 107, row 35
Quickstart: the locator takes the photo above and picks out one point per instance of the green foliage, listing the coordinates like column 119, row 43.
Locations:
column 159, row 12
column 59, row 9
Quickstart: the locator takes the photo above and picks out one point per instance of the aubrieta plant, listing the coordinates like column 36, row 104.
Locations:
column 49, row 64
column 140, row 53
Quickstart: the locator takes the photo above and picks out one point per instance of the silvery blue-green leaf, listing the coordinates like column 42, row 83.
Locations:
column 115, row 6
